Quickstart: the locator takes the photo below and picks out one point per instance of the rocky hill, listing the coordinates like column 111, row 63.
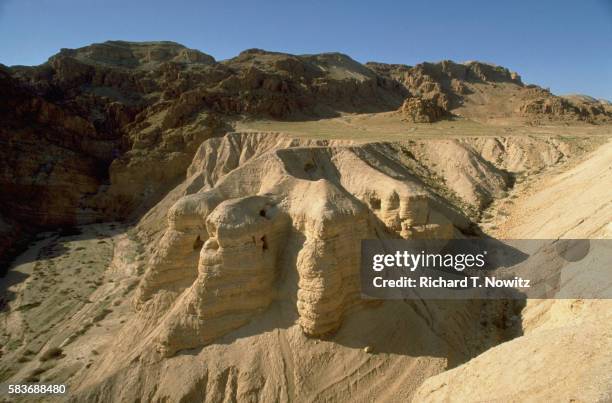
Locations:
column 242, row 282
column 170, row 254
column 110, row 127
column 485, row 92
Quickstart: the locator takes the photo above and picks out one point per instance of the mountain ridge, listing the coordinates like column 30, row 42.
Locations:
column 117, row 112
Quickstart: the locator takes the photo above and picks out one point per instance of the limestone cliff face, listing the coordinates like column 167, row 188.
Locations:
column 264, row 217
column 280, row 219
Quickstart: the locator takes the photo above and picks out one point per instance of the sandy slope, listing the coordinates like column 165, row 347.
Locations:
column 385, row 352
column 566, row 352
column 572, row 204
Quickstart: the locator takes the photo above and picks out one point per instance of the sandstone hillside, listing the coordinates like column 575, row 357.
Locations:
column 177, row 228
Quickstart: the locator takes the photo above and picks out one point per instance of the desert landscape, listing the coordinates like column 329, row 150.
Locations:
column 175, row 228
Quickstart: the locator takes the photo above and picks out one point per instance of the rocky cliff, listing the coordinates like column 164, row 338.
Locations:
column 295, row 209
column 243, row 280
column 109, row 128
column 485, row 92
column 263, row 218
column 233, row 273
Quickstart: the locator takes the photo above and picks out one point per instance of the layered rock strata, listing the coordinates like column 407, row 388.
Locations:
column 284, row 224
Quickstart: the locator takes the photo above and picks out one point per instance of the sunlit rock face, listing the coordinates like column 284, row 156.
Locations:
column 285, row 224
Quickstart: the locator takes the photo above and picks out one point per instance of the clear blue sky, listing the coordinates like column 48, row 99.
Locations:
column 562, row 44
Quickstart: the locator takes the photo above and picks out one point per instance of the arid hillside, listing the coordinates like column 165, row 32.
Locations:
column 109, row 128
column 242, row 282
column 176, row 228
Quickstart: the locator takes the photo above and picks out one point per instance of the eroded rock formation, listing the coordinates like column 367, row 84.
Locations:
column 246, row 244
column 284, row 220
column 419, row 110
column 544, row 106
column 483, row 92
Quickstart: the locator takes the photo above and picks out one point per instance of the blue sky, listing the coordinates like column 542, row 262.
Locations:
column 564, row 44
